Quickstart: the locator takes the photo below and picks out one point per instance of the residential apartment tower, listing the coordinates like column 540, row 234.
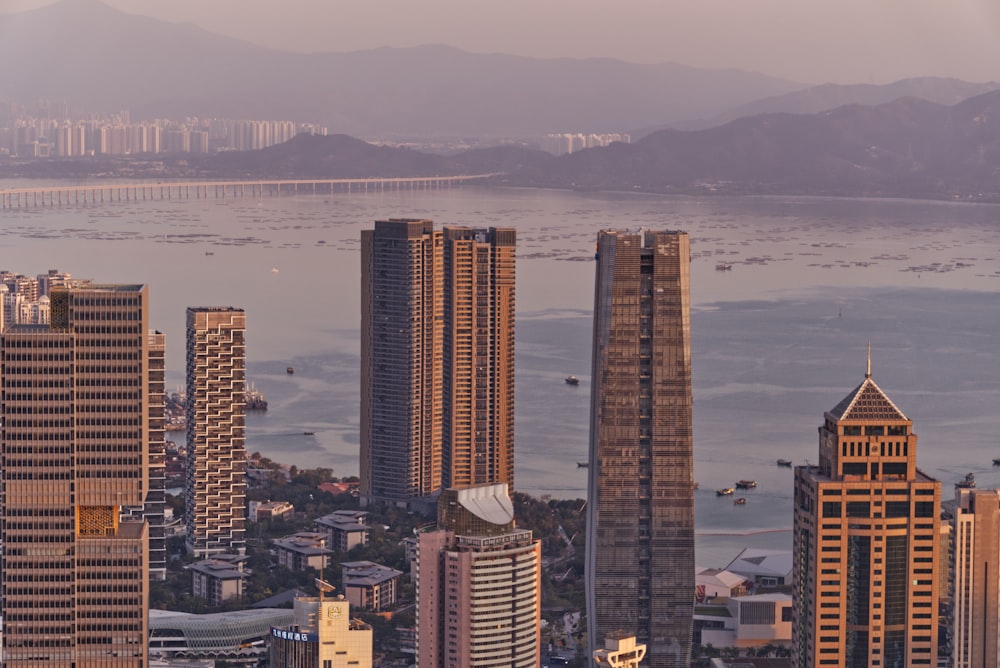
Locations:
column 215, row 485
column 437, row 358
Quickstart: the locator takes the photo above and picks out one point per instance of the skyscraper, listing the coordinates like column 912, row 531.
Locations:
column 865, row 546
column 75, row 409
column 215, row 486
column 437, row 358
column 640, row 522
column 478, row 434
column 976, row 596
column 478, row 583
column 152, row 511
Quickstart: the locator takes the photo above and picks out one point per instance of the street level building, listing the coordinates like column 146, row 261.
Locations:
column 215, row 482
column 640, row 522
column 866, row 542
column 478, row 583
column 75, row 411
column 437, row 358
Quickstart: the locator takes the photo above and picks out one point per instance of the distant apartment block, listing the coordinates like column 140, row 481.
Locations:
column 344, row 529
column 215, row 482
column 303, row 550
column 218, row 579
column 570, row 142
column 370, row 586
column 118, row 136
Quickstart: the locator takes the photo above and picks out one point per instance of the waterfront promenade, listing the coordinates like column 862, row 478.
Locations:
column 46, row 196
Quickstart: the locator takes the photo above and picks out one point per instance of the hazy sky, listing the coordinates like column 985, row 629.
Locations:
column 812, row 41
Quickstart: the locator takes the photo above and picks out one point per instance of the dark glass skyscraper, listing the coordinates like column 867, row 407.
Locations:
column 640, row 524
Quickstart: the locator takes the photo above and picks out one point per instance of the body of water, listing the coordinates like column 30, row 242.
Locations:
column 777, row 339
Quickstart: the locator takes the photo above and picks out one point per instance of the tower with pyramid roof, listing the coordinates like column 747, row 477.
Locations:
column 866, row 542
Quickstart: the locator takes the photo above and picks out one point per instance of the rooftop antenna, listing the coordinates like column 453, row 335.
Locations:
column 868, row 373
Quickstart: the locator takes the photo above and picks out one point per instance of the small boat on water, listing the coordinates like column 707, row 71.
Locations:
column 308, row 433
column 968, row 482
column 290, row 370
column 723, row 266
column 582, row 465
column 572, row 380
column 739, row 502
column 996, row 461
column 784, row 462
column 746, row 484
column 728, row 491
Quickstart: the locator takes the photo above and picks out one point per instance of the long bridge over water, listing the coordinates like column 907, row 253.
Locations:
column 21, row 198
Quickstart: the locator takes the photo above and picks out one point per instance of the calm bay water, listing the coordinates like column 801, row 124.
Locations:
column 777, row 340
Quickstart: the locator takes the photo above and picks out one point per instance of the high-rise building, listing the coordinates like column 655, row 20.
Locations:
column 75, row 408
column 976, row 595
column 478, row 433
column 478, row 582
column 152, row 511
column 866, row 542
column 215, row 485
column 437, row 358
column 640, row 522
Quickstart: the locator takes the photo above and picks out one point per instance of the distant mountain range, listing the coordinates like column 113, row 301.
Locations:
column 909, row 147
column 98, row 58
column 706, row 130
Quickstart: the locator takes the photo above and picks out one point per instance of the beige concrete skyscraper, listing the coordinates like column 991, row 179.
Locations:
column 640, row 523
column 976, row 597
column 478, row 435
column 215, row 488
column 865, row 547
column 478, row 584
column 437, row 358
column 75, row 409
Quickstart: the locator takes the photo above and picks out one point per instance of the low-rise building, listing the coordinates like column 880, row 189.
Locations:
column 218, row 579
column 713, row 583
column 745, row 621
column 344, row 529
column 765, row 568
column 370, row 586
column 258, row 511
column 323, row 635
column 306, row 549
column 238, row 635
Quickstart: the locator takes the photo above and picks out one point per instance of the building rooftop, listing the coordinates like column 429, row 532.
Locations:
column 867, row 402
column 488, row 502
column 719, row 576
column 755, row 562
column 367, row 573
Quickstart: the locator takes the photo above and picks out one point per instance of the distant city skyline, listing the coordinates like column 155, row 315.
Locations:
column 847, row 42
